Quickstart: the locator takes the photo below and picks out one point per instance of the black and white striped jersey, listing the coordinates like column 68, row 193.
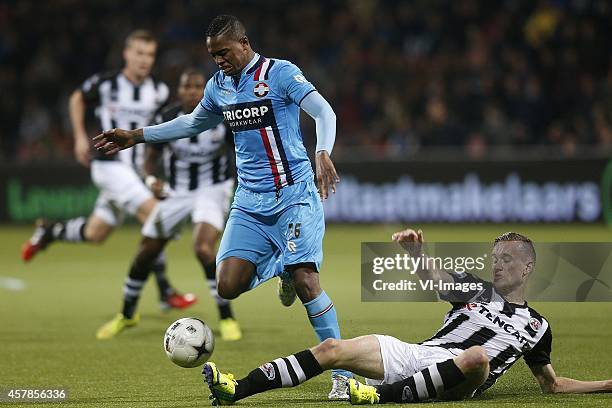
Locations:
column 119, row 103
column 197, row 161
column 506, row 330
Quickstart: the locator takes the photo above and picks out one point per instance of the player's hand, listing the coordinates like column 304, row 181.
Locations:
column 81, row 150
column 410, row 240
column 326, row 174
column 156, row 186
column 111, row 141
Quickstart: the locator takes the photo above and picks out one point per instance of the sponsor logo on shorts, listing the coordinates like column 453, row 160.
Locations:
column 268, row 370
column 407, row 394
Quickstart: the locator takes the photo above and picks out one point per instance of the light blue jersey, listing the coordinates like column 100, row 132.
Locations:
column 261, row 106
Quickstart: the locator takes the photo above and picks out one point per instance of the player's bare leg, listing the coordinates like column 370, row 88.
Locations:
column 360, row 355
column 204, row 239
column 93, row 230
column 97, row 230
column 143, row 211
column 234, row 277
column 323, row 318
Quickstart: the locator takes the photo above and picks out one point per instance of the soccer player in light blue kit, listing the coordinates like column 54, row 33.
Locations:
column 276, row 225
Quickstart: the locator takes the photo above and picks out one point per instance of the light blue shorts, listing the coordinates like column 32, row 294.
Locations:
column 275, row 232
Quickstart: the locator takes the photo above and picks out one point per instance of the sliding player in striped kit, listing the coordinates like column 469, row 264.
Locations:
column 128, row 97
column 200, row 186
column 276, row 224
column 483, row 335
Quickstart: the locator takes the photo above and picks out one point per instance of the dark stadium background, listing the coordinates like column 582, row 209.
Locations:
column 467, row 118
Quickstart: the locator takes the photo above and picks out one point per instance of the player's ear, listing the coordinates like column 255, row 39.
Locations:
column 244, row 41
column 528, row 269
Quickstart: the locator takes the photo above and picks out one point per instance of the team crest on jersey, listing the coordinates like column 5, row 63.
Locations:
column 534, row 323
column 268, row 370
column 470, row 306
column 261, row 89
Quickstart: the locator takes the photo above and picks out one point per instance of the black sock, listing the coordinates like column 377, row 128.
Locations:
column 159, row 269
column 282, row 372
column 72, row 230
column 225, row 310
column 133, row 286
column 424, row 385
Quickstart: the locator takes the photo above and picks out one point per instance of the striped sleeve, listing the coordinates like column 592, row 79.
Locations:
column 539, row 355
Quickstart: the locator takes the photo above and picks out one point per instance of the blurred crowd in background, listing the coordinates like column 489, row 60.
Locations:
column 401, row 75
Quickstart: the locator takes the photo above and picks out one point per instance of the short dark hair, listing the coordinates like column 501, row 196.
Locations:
column 515, row 236
column 226, row 24
column 143, row 35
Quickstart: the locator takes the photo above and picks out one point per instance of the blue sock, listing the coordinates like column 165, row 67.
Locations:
column 324, row 321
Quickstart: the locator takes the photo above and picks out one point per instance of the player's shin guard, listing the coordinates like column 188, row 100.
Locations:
column 324, row 321
column 282, row 372
column 225, row 310
column 159, row 269
column 132, row 288
column 427, row 384
column 72, row 230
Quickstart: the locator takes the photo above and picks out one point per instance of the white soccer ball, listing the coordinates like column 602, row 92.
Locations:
column 189, row 342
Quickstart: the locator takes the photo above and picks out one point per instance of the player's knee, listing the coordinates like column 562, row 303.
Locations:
column 330, row 350
column 227, row 289
column 204, row 251
column 149, row 250
column 476, row 359
column 95, row 237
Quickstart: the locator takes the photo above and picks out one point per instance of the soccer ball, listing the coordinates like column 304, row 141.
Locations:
column 188, row 342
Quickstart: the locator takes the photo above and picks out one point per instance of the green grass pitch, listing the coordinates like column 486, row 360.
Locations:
column 47, row 329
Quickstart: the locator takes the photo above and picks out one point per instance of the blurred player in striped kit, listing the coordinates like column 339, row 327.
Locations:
column 128, row 97
column 199, row 186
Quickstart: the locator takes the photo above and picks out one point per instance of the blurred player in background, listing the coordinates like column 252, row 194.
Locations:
column 200, row 186
column 276, row 223
column 127, row 98
column 484, row 334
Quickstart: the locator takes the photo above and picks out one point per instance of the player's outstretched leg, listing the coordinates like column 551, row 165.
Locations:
column 452, row 379
column 360, row 355
column 323, row 318
column 205, row 238
column 139, row 271
column 45, row 232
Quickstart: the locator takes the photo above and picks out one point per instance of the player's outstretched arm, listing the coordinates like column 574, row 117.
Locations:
column 412, row 241
column 111, row 141
column 550, row 383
